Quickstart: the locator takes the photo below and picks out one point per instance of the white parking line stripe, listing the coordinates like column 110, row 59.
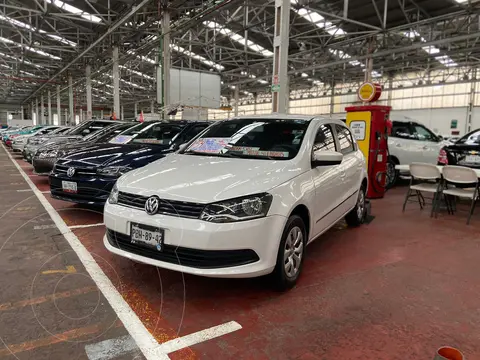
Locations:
column 42, row 227
column 45, row 192
column 85, row 226
column 145, row 341
column 198, row 337
column 24, row 190
column 111, row 348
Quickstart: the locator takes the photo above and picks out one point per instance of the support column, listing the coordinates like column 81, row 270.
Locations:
column 116, row 83
column 101, row 114
column 237, row 95
column 390, row 91
column 332, row 99
column 152, row 107
column 59, row 108
column 42, row 111
column 135, row 109
column 50, row 122
column 88, row 74
column 71, row 116
column 21, row 113
column 81, row 115
column 280, row 55
column 471, row 103
column 122, row 117
column 166, row 62
column 37, row 117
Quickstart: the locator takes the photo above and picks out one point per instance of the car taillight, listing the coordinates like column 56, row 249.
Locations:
column 442, row 157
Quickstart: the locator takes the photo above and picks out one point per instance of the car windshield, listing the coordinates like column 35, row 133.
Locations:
column 472, row 138
column 89, row 127
column 107, row 133
column 156, row 133
column 275, row 139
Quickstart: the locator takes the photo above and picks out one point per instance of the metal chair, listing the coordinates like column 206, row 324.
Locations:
column 461, row 176
column 424, row 178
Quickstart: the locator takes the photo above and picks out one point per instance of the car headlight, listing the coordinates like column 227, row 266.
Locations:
column 113, row 170
column 48, row 154
column 239, row 209
column 113, row 198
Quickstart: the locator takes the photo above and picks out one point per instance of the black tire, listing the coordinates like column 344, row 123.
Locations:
column 392, row 174
column 356, row 216
column 282, row 280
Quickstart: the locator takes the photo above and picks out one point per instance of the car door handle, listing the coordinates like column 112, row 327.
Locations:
column 425, row 147
column 343, row 174
column 398, row 145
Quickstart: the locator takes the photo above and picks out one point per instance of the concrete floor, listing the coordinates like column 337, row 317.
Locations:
column 397, row 288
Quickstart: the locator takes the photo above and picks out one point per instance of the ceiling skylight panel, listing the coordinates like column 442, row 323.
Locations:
column 238, row 38
column 74, row 10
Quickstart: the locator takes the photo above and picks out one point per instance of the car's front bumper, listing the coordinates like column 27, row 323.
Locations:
column 90, row 190
column 201, row 239
column 18, row 147
column 43, row 166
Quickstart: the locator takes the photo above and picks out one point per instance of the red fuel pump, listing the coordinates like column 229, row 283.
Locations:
column 370, row 125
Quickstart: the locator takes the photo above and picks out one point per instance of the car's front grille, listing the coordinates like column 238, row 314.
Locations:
column 90, row 171
column 201, row 259
column 166, row 207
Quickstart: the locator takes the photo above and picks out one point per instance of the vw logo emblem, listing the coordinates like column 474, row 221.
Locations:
column 71, row 171
column 151, row 205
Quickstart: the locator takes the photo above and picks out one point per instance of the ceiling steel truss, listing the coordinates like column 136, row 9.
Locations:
column 43, row 42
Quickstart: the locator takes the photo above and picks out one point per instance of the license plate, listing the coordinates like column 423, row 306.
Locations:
column 69, row 186
column 472, row 159
column 147, row 235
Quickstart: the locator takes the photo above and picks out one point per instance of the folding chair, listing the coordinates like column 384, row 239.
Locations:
column 424, row 178
column 461, row 176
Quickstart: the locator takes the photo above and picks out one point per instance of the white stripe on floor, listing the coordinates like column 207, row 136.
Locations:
column 198, row 337
column 24, row 190
column 110, row 349
column 85, row 226
column 145, row 341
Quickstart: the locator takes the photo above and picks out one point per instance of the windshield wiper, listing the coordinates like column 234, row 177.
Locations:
column 245, row 156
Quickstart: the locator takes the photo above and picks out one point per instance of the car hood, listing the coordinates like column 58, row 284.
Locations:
column 106, row 154
column 206, row 179
column 56, row 142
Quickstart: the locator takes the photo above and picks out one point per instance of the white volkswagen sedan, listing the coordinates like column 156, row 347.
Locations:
column 242, row 199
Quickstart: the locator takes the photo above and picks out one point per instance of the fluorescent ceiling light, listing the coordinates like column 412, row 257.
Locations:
column 133, row 84
column 40, row 52
column 200, row 58
column 24, row 61
column 74, row 10
column 143, row 58
column 318, row 20
column 261, row 81
column 31, row 28
column 238, row 38
column 137, row 72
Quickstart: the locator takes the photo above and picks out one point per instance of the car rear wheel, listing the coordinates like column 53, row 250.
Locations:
column 356, row 216
column 291, row 253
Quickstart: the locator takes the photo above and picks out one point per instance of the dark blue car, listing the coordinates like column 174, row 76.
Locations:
column 88, row 175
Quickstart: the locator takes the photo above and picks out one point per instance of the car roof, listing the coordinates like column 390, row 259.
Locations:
column 276, row 116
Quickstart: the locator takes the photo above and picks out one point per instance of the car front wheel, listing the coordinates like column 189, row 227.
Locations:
column 392, row 174
column 291, row 253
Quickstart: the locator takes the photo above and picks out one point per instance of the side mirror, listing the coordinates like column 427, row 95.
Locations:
column 182, row 147
column 326, row 158
column 85, row 132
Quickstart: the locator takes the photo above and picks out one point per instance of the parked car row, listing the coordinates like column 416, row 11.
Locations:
column 233, row 198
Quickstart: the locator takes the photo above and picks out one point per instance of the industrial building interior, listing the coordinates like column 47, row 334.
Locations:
column 352, row 126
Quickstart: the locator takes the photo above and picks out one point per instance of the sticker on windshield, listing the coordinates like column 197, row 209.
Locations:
column 148, row 141
column 209, row 145
column 120, row 139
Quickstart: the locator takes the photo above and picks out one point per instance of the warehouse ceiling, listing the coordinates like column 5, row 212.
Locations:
column 42, row 42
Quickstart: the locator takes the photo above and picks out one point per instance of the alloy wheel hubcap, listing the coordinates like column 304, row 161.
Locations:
column 390, row 172
column 361, row 205
column 293, row 251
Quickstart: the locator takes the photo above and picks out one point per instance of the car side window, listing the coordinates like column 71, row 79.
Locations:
column 345, row 139
column 324, row 140
column 402, row 131
column 422, row 133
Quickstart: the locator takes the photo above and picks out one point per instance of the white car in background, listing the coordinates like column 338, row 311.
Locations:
column 242, row 199
column 411, row 142
column 20, row 141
